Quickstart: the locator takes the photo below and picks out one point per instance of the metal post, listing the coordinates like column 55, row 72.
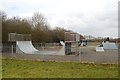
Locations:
column 40, row 45
column 80, row 58
column 12, row 51
column 86, row 42
column 1, row 48
column 43, row 52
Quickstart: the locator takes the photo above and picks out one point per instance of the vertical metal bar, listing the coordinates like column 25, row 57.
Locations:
column 80, row 57
column 12, row 51
column 16, row 49
column 41, row 45
column 1, row 47
column 43, row 51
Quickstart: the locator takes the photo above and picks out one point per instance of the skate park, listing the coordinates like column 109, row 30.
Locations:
column 64, row 39
column 70, row 50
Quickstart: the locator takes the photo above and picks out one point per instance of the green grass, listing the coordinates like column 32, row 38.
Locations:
column 16, row 68
column 93, row 43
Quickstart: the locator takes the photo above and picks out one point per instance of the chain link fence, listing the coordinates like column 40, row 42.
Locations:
column 84, row 54
column 9, row 50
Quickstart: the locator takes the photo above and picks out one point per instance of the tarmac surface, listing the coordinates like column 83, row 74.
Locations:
column 88, row 54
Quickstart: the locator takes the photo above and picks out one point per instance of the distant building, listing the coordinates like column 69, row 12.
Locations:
column 89, row 37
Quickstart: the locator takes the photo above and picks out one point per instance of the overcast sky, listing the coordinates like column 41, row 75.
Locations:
column 87, row 17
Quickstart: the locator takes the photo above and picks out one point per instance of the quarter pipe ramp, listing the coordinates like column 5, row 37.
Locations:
column 27, row 48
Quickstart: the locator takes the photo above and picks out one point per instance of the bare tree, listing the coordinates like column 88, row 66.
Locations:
column 39, row 21
column 3, row 15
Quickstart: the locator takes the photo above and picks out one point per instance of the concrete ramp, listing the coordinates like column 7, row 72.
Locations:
column 28, row 48
column 99, row 49
column 62, row 51
column 110, row 46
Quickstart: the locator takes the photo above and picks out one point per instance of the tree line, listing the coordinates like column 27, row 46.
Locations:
column 36, row 25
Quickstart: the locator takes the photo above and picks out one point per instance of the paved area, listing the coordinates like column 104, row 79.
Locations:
column 88, row 54
column 108, row 56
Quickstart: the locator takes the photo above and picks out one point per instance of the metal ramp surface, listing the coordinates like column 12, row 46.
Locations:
column 28, row 48
column 110, row 46
column 99, row 49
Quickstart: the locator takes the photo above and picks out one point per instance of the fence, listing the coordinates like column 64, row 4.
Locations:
column 40, row 45
column 9, row 50
column 7, row 47
column 87, row 54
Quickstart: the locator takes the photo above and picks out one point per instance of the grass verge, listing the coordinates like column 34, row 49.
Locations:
column 21, row 68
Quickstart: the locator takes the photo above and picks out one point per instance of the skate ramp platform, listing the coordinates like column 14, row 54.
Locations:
column 99, row 49
column 62, row 43
column 110, row 46
column 28, row 48
column 62, row 51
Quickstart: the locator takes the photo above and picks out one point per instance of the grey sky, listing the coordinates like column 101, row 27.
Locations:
column 87, row 17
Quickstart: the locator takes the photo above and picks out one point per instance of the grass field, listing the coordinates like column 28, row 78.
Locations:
column 93, row 43
column 16, row 68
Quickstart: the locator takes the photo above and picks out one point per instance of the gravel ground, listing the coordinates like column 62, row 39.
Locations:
column 88, row 54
